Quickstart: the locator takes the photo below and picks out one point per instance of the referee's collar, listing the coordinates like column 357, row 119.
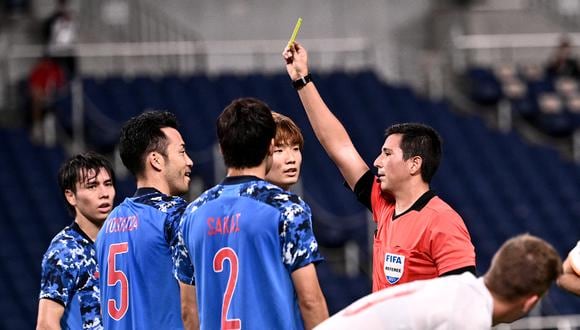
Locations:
column 419, row 203
column 146, row 191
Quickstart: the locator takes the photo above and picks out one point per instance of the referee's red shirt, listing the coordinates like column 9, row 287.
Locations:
column 428, row 240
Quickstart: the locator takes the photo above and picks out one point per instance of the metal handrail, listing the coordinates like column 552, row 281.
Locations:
column 203, row 47
column 521, row 40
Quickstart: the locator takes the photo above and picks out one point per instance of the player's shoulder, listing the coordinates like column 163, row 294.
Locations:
column 69, row 248
column 462, row 287
column 274, row 196
column 437, row 207
column 67, row 239
column 161, row 202
column 208, row 195
column 470, row 291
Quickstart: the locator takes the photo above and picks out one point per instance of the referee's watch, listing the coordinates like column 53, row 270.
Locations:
column 302, row 81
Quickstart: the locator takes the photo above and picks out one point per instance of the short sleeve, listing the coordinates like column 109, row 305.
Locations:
column 299, row 246
column 450, row 244
column 182, row 265
column 363, row 189
column 59, row 275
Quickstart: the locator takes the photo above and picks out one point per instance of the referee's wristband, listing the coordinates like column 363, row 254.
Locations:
column 302, row 81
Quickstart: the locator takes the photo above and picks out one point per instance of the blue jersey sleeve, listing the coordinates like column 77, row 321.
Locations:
column 182, row 266
column 59, row 274
column 70, row 269
column 299, row 246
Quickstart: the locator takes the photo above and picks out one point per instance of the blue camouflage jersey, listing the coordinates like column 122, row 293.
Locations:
column 135, row 250
column 70, row 278
column 246, row 236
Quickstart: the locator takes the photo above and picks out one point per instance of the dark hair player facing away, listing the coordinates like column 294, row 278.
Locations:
column 251, row 242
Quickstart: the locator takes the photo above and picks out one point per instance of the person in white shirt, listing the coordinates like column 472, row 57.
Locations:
column 570, row 279
column 521, row 271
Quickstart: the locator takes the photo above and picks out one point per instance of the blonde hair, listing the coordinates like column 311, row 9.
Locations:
column 287, row 132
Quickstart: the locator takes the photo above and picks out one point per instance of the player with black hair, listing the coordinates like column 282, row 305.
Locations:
column 69, row 290
column 138, row 244
column 418, row 235
column 251, row 242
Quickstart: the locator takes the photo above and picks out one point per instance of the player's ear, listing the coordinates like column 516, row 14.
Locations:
column 530, row 302
column 70, row 197
column 156, row 160
column 415, row 164
column 271, row 148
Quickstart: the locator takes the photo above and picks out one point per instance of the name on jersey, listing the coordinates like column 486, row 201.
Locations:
column 122, row 224
column 223, row 225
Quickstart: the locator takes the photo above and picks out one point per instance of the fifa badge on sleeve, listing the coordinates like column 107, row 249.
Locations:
column 394, row 267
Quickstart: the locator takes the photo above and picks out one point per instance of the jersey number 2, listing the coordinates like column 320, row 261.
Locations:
column 218, row 266
column 114, row 276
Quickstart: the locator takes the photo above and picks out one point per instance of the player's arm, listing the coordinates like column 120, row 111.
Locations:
column 570, row 283
column 328, row 129
column 189, row 312
column 310, row 298
column 183, row 270
column 49, row 314
column 57, row 281
column 300, row 253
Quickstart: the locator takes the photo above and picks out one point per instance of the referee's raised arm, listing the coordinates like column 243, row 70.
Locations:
column 328, row 129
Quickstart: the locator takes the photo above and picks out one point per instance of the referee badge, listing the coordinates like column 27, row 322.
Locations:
column 394, row 267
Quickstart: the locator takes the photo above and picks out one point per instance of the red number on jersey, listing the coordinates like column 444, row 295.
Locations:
column 114, row 276
column 218, row 266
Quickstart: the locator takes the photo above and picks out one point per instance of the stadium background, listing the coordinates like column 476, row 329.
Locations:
column 375, row 62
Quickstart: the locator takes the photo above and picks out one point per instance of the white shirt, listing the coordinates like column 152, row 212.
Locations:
column 450, row 302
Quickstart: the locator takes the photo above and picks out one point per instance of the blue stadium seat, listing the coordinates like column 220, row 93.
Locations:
column 499, row 184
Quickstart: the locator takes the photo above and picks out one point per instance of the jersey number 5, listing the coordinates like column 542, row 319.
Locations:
column 114, row 276
column 218, row 266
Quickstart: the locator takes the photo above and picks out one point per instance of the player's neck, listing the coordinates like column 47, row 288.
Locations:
column 154, row 182
column 259, row 172
column 504, row 311
column 88, row 227
column 405, row 198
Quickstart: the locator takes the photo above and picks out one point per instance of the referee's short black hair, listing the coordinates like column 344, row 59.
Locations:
column 245, row 131
column 419, row 140
column 76, row 170
column 141, row 135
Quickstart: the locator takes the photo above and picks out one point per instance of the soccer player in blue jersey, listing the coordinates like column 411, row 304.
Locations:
column 251, row 242
column 137, row 244
column 69, row 291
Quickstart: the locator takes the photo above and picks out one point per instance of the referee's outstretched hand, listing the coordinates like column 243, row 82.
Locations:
column 296, row 59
